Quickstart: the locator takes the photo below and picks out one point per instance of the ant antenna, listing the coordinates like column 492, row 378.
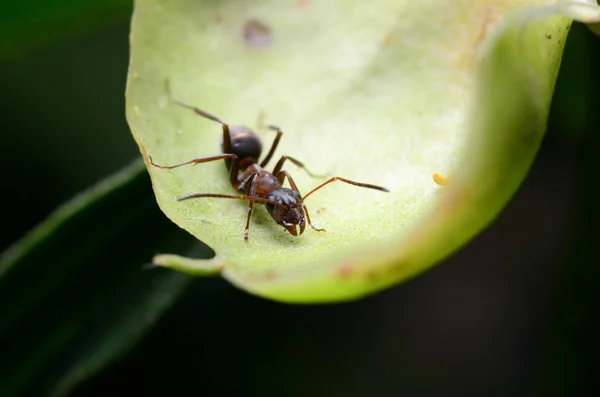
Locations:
column 230, row 196
column 195, row 109
column 339, row 178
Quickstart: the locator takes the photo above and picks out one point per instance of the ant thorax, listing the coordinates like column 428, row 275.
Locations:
column 265, row 181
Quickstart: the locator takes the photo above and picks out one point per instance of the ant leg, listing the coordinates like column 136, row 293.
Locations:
column 191, row 107
column 226, row 134
column 230, row 159
column 251, row 197
column 196, row 161
column 300, row 164
column 348, row 181
column 250, row 192
column 279, row 164
column 233, row 170
column 310, row 222
column 273, row 145
column 242, row 186
column 229, row 196
column 281, row 175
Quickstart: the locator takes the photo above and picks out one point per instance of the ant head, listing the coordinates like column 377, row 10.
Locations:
column 289, row 212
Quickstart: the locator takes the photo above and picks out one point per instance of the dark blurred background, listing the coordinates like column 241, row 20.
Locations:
column 514, row 313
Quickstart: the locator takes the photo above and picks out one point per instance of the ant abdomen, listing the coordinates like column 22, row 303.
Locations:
column 245, row 144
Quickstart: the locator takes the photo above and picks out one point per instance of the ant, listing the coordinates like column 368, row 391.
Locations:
column 242, row 148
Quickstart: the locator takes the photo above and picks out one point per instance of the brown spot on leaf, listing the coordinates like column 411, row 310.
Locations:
column 345, row 270
column 371, row 275
column 397, row 267
column 489, row 16
column 388, row 40
column 267, row 276
column 270, row 275
column 257, row 34
column 302, row 4
column 457, row 202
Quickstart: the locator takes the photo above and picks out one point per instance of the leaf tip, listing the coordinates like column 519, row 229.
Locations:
column 188, row 265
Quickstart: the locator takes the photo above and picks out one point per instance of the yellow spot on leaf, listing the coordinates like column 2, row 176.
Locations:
column 440, row 179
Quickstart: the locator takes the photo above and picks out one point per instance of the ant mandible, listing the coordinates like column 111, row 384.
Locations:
column 242, row 148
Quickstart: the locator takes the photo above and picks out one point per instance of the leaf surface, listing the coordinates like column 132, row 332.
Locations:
column 444, row 104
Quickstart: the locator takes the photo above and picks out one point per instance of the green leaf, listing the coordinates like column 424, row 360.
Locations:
column 26, row 23
column 74, row 294
column 390, row 93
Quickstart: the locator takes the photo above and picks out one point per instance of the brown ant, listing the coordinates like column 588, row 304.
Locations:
column 241, row 151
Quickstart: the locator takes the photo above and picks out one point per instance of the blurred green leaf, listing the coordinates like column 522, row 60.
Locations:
column 388, row 94
column 32, row 22
column 595, row 27
column 74, row 293
column 569, row 358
